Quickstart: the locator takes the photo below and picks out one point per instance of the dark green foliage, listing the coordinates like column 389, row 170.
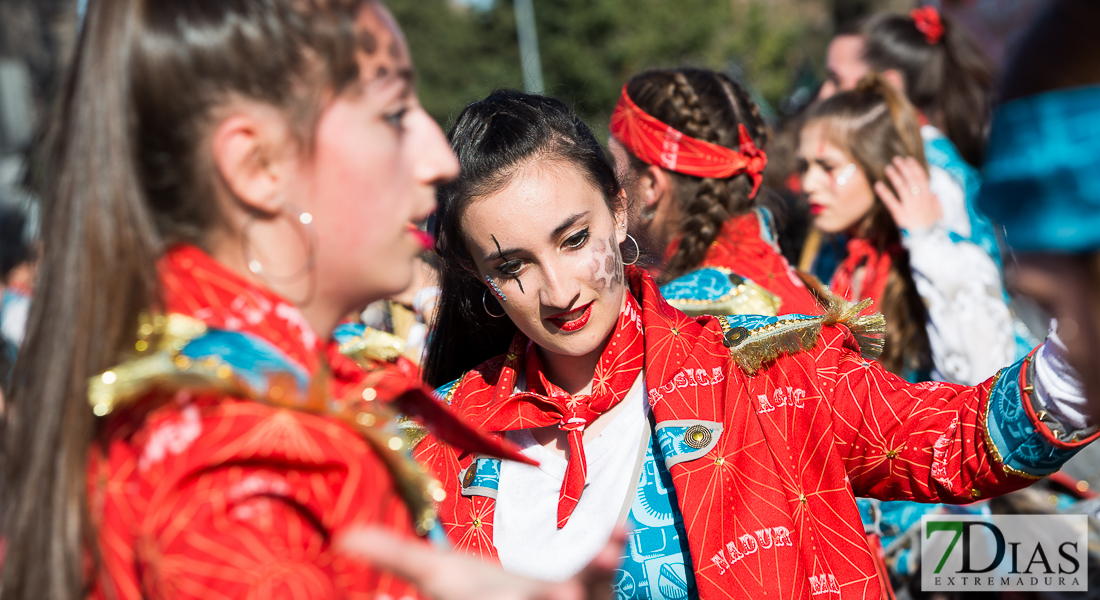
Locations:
column 590, row 48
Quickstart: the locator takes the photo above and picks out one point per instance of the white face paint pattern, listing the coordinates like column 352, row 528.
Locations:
column 845, row 175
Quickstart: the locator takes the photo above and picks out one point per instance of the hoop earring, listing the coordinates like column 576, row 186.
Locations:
column 637, row 250
column 485, row 305
column 295, row 215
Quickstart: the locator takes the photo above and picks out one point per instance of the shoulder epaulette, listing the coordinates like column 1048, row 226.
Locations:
column 446, row 392
column 718, row 291
column 361, row 343
column 175, row 352
column 754, row 340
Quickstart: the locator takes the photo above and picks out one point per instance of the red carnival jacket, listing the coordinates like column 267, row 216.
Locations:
column 801, row 423
column 230, row 459
column 743, row 248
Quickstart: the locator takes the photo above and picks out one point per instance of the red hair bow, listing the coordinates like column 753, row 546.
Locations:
column 661, row 145
column 927, row 20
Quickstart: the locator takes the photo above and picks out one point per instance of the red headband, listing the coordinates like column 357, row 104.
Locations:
column 662, row 145
column 927, row 20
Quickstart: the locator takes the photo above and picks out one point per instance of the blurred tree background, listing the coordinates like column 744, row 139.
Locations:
column 464, row 49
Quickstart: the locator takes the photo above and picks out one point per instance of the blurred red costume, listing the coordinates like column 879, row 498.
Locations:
column 205, row 495
column 769, row 504
column 741, row 248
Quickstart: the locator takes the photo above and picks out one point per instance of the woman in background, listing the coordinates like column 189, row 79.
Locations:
column 943, row 301
column 691, row 142
column 945, row 75
column 947, row 78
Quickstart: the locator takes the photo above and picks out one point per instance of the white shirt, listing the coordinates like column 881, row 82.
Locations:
column 969, row 325
column 525, row 530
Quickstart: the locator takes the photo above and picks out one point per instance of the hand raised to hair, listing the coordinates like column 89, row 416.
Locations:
column 917, row 208
column 450, row 576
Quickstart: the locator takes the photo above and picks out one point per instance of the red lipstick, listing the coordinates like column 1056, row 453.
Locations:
column 571, row 325
column 425, row 239
column 816, row 209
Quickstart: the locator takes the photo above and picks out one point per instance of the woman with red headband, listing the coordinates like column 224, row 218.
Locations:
column 733, row 445
column 692, row 142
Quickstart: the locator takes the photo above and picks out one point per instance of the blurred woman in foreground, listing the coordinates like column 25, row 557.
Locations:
column 1041, row 174
column 229, row 179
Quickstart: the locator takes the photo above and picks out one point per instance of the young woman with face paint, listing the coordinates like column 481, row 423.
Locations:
column 733, row 445
column 228, row 179
column 691, row 141
column 863, row 169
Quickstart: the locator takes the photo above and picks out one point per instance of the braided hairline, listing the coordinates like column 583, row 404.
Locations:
column 709, row 204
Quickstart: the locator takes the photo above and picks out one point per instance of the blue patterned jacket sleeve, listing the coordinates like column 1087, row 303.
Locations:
column 1025, row 439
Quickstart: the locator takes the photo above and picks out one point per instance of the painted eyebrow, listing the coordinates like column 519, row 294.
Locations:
column 566, row 224
column 499, row 253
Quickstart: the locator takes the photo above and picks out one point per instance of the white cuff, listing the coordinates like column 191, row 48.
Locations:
column 1057, row 385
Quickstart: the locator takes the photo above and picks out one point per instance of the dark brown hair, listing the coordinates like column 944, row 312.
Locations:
column 708, row 106
column 950, row 81
column 127, row 174
column 875, row 123
column 1060, row 51
column 494, row 139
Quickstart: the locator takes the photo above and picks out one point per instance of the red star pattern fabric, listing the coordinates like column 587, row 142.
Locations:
column 876, row 271
column 545, row 404
column 212, row 497
column 740, row 248
column 770, row 509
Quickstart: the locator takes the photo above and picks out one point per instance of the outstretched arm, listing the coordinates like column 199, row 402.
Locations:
column 938, row 442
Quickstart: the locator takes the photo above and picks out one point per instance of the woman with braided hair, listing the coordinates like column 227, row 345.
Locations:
column 691, row 142
column 733, row 445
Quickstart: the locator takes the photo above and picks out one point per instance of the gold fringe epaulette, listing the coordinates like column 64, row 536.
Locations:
column 158, row 364
column 379, row 346
column 744, row 298
column 413, row 432
column 752, row 348
column 869, row 330
column 373, row 345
